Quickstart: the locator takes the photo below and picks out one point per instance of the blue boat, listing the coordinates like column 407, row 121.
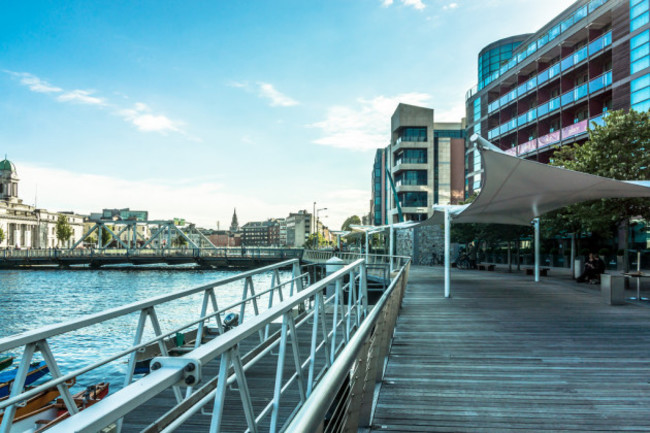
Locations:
column 35, row 372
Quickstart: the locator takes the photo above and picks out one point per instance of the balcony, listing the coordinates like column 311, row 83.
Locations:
column 574, row 95
column 544, row 39
column 568, row 62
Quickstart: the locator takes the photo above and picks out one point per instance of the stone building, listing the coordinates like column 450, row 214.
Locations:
column 26, row 226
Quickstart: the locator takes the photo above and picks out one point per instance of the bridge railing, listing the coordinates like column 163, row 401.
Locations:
column 254, row 301
column 321, row 256
column 89, row 253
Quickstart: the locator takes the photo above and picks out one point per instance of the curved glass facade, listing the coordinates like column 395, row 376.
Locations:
column 491, row 60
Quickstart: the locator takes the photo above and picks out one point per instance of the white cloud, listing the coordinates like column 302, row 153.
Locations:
column 453, row 113
column 201, row 201
column 142, row 118
column 81, row 97
column 415, row 4
column 450, row 6
column 34, row 83
column 266, row 91
column 277, row 99
column 140, row 115
column 365, row 126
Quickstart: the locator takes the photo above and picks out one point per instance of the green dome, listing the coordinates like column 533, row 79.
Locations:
column 7, row 165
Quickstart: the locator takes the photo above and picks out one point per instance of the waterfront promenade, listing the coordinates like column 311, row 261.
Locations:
column 508, row 354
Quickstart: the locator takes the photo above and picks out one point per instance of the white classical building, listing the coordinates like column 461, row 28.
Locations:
column 25, row 226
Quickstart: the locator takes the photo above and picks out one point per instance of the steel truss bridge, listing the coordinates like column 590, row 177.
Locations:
column 121, row 242
column 304, row 357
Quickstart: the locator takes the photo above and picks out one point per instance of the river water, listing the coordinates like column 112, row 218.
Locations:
column 30, row 299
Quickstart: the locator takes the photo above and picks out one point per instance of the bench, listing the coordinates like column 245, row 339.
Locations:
column 542, row 271
column 486, row 267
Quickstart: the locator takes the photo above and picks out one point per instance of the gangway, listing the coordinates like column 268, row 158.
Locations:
column 293, row 340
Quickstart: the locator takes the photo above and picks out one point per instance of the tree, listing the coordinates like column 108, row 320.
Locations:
column 619, row 149
column 2, row 235
column 63, row 229
column 314, row 241
column 354, row 219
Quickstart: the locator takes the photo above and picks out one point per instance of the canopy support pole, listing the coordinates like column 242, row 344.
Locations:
column 367, row 254
column 391, row 246
column 447, row 252
column 573, row 254
column 536, row 223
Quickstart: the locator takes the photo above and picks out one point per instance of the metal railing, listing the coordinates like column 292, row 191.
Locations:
column 322, row 256
column 39, row 340
column 252, row 252
column 347, row 390
column 312, row 339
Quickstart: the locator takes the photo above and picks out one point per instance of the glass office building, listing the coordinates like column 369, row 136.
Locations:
column 560, row 81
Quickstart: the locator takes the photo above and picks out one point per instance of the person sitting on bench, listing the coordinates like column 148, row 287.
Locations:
column 593, row 268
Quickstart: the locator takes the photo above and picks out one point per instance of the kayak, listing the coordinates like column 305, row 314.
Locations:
column 35, row 372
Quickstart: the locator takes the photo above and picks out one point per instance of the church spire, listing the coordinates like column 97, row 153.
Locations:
column 234, row 224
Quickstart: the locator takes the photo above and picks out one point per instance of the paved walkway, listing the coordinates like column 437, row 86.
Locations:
column 506, row 354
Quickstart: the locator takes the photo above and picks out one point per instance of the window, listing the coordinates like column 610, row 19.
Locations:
column 639, row 52
column 413, row 134
column 413, row 199
column 411, row 156
column 477, row 109
column 639, row 13
column 640, row 93
column 411, row 177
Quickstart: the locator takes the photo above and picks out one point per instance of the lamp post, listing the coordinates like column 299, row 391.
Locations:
column 316, row 228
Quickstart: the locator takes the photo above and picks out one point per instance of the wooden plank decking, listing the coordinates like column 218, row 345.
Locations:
column 506, row 354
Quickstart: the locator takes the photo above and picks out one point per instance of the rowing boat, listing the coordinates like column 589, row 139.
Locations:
column 37, row 401
column 5, row 361
column 53, row 413
column 35, row 372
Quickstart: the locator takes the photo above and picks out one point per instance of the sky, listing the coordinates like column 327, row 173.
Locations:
column 191, row 109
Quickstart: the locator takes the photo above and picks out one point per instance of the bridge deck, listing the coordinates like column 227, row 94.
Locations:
column 507, row 354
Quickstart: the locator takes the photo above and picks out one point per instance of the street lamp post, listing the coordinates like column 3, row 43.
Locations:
column 316, row 228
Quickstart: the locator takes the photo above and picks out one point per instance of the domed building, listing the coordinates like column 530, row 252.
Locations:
column 25, row 226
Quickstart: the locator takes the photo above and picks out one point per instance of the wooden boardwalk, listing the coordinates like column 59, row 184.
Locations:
column 506, row 354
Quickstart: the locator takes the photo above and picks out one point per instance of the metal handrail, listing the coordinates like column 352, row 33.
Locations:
column 226, row 345
column 311, row 415
column 37, row 340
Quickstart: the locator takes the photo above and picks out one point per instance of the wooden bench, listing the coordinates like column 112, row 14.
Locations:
column 542, row 271
column 482, row 267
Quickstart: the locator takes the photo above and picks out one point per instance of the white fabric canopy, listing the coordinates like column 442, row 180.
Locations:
column 517, row 190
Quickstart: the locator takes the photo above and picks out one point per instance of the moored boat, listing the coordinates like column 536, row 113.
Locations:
column 5, row 361
column 35, row 372
column 45, row 417
column 36, row 402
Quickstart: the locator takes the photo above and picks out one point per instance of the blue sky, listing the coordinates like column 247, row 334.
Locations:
column 190, row 109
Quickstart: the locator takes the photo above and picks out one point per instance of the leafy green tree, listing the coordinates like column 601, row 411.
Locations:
column 179, row 242
column 2, row 235
column 620, row 149
column 353, row 220
column 315, row 240
column 63, row 230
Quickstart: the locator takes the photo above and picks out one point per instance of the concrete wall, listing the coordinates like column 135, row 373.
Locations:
column 420, row 243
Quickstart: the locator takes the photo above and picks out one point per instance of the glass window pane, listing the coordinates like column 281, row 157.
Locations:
column 640, row 39
column 640, row 83
column 637, row 53
column 640, row 65
column 640, row 21
column 640, row 96
column 637, row 10
column 644, row 106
